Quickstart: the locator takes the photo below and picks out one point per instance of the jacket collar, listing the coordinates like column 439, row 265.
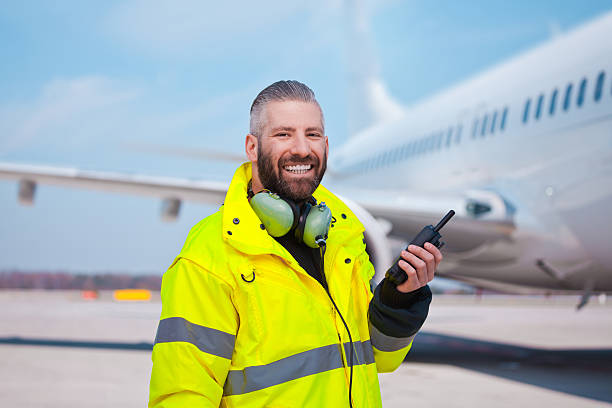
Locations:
column 242, row 228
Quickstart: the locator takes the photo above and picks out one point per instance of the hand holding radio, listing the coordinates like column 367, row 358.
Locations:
column 416, row 265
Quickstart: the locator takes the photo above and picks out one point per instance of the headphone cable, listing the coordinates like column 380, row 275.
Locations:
column 322, row 252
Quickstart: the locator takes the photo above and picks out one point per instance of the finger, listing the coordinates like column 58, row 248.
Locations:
column 413, row 278
column 426, row 257
column 418, row 264
column 435, row 252
column 438, row 258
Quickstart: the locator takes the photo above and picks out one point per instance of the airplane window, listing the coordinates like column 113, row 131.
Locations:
column 449, row 136
column 398, row 153
column 581, row 90
column 493, row 120
column 502, row 126
column 458, row 134
column 553, row 102
column 484, row 125
column 599, row 86
column 539, row 106
column 404, row 151
column 568, row 95
column 526, row 111
column 431, row 142
column 474, row 128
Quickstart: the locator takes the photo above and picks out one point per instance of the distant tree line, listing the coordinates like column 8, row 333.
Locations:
column 79, row 281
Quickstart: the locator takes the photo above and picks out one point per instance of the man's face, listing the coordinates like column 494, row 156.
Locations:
column 292, row 150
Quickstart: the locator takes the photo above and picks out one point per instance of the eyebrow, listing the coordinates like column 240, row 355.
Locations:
column 290, row 129
column 283, row 128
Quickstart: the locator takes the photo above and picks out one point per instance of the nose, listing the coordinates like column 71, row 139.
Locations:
column 300, row 146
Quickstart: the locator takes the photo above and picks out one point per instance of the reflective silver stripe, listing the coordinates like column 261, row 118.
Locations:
column 383, row 342
column 289, row 368
column 211, row 341
column 363, row 352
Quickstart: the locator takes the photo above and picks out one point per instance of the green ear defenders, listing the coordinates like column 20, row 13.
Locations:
column 279, row 216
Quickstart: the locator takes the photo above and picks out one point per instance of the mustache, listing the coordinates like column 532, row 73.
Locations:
column 299, row 160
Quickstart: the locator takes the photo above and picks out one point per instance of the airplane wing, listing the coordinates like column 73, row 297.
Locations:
column 172, row 190
column 481, row 216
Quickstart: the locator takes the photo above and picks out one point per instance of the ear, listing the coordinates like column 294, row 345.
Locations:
column 326, row 146
column 251, row 147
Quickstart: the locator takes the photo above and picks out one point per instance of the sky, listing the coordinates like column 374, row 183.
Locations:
column 94, row 85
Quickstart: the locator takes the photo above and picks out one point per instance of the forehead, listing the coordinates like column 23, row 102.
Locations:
column 294, row 114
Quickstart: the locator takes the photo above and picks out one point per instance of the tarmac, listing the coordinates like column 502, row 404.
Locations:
column 58, row 350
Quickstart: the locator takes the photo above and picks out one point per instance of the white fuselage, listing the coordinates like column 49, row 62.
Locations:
column 551, row 160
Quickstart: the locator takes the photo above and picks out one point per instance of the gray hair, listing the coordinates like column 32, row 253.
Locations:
column 280, row 91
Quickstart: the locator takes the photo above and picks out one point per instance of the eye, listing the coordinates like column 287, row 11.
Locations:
column 314, row 135
column 282, row 134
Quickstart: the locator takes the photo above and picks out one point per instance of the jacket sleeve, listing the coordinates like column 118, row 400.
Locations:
column 393, row 327
column 195, row 338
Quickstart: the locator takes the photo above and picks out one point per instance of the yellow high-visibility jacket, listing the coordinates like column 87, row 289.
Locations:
column 243, row 325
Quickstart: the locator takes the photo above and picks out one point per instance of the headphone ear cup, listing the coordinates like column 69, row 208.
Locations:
column 276, row 214
column 316, row 226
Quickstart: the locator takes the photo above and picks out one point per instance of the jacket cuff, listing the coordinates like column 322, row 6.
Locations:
column 392, row 297
column 400, row 322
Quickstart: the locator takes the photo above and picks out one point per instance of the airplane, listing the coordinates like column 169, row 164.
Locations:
column 522, row 152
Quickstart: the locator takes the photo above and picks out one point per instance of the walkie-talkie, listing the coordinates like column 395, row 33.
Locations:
column 428, row 234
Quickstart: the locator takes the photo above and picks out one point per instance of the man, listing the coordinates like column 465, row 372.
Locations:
column 252, row 320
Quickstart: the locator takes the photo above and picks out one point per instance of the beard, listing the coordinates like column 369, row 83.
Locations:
column 272, row 175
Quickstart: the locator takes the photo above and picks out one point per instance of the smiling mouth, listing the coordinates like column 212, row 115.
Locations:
column 298, row 169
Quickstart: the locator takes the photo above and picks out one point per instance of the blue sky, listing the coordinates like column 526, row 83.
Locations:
column 83, row 83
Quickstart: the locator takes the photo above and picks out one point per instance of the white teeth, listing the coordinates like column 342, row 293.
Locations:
column 299, row 169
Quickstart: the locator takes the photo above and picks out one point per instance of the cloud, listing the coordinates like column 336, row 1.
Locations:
column 195, row 27
column 62, row 104
column 96, row 116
